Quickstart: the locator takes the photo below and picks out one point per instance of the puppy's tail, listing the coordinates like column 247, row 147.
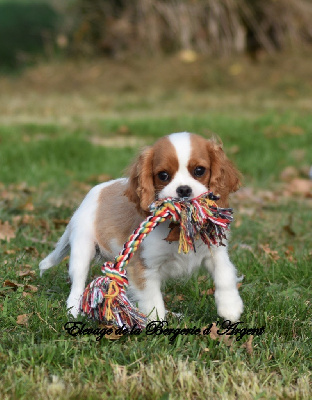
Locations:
column 61, row 250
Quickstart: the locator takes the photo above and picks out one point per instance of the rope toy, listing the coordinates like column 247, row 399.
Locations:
column 105, row 299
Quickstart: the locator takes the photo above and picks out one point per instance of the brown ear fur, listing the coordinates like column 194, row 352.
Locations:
column 140, row 188
column 224, row 176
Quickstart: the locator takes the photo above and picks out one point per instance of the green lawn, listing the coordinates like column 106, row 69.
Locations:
column 45, row 171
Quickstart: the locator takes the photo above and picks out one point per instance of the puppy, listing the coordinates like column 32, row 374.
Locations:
column 180, row 165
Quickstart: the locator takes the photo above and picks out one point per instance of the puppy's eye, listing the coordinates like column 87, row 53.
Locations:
column 163, row 176
column 199, row 171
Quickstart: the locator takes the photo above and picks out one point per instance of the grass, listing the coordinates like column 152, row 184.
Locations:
column 46, row 167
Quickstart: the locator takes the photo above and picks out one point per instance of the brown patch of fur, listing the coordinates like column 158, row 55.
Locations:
column 225, row 177
column 141, row 189
column 143, row 180
column 221, row 175
column 165, row 159
column 116, row 217
column 199, row 158
column 136, row 271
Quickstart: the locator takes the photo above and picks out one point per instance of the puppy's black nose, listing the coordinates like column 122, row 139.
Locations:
column 184, row 191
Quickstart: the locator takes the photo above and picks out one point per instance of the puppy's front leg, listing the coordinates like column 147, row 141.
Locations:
column 228, row 301
column 145, row 290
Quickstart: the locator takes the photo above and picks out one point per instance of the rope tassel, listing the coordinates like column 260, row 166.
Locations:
column 105, row 300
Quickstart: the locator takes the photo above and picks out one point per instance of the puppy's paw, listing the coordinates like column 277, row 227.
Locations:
column 73, row 305
column 44, row 265
column 229, row 305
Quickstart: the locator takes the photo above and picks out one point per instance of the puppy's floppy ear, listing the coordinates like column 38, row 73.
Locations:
column 224, row 176
column 140, row 188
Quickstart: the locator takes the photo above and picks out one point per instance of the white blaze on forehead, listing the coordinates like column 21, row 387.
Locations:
column 182, row 144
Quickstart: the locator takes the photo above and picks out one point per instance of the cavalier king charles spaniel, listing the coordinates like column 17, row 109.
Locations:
column 180, row 165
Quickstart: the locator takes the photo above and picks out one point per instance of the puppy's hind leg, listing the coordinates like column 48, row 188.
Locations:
column 61, row 250
column 82, row 252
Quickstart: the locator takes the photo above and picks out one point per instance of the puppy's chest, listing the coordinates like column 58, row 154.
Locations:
column 162, row 256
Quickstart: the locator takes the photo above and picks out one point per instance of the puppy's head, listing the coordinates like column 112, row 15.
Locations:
column 181, row 165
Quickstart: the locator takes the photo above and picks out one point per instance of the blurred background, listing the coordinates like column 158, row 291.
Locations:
column 117, row 28
column 115, row 56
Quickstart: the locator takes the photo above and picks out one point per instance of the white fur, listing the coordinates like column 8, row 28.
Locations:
column 161, row 258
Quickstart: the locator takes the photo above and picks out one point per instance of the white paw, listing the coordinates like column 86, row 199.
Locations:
column 44, row 265
column 229, row 304
column 73, row 305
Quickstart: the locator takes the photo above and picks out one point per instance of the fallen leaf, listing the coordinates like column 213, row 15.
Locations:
column 26, row 219
column 289, row 173
column 174, row 234
column 23, row 187
column 6, row 195
column 271, row 253
column 178, row 297
column 113, row 335
column 301, row 187
column 44, row 224
column 28, row 206
column 7, row 232
column 226, row 339
column 11, row 284
column 211, row 291
column 289, row 253
column 289, row 256
column 31, row 288
column 32, row 250
column 11, row 251
column 14, row 286
column 248, row 345
column 26, row 272
column 22, row 319
column 208, row 292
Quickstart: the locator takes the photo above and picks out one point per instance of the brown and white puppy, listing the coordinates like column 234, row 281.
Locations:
column 178, row 165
